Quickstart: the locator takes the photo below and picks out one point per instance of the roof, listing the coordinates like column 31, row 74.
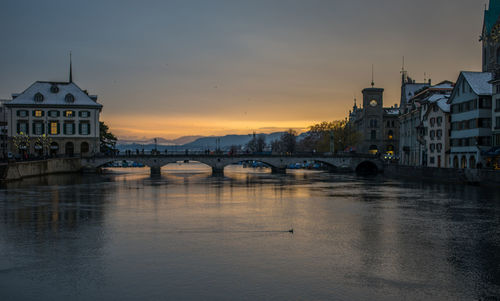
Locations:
column 391, row 111
column 491, row 15
column 444, row 105
column 81, row 98
column 479, row 82
column 410, row 89
column 443, row 85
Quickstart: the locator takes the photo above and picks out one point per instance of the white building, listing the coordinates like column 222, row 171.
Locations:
column 470, row 119
column 436, row 123
column 61, row 111
column 3, row 130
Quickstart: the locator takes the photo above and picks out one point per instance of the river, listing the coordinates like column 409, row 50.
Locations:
column 187, row 235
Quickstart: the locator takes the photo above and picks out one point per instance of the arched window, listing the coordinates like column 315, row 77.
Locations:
column 38, row 97
column 472, row 162
column 69, row 98
column 463, row 163
column 455, row 162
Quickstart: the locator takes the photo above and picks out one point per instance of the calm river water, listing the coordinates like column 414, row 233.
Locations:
column 190, row 236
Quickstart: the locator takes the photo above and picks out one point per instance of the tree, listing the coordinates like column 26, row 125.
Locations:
column 21, row 142
column 287, row 142
column 107, row 139
column 44, row 141
column 257, row 144
column 319, row 136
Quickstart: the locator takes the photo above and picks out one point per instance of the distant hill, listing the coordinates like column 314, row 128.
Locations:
column 197, row 143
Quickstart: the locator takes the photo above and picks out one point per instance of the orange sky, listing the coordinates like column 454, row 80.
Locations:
column 176, row 68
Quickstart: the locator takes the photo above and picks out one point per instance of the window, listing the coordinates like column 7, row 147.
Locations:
column 433, row 121
column 38, row 113
column 439, row 120
column 497, row 125
column 22, row 127
column 373, row 134
column 497, row 103
column 484, row 103
column 84, row 114
column 432, row 147
column 484, row 123
column 69, row 128
column 390, row 135
column 38, row 128
column 22, row 113
column 431, row 160
column 439, row 147
column 484, row 141
column 84, row 128
column 439, row 133
column 53, row 114
column 432, row 134
column 69, row 113
column 38, row 97
column 54, row 89
column 69, row 98
column 54, row 128
column 373, row 123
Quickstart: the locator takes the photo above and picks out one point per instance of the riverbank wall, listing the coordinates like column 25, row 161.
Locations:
column 20, row 170
column 482, row 177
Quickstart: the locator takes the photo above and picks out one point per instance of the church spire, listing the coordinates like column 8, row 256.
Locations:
column 70, row 69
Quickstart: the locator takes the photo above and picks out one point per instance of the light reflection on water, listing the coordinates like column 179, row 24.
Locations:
column 125, row 235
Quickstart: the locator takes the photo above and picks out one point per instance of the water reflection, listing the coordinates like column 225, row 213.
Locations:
column 187, row 235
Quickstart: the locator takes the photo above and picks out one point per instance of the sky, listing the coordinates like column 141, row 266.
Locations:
column 197, row 67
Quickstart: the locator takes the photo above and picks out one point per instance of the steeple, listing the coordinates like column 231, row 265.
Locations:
column 70, row 69
column 373, row 83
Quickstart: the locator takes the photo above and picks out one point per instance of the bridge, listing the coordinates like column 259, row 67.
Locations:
column 277, row 163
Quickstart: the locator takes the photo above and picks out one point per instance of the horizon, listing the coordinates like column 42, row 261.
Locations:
column 232, row 67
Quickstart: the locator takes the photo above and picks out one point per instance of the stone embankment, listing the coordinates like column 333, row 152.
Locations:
column 482, row 177
column 20, row 170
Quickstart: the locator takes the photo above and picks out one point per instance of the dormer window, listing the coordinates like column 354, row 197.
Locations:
column 69, row 98
column 38, row 97
column 54, row 89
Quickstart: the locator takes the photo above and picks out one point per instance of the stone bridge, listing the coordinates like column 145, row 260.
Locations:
column 277, row 163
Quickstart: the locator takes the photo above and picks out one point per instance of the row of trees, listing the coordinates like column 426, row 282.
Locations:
column 319, row 138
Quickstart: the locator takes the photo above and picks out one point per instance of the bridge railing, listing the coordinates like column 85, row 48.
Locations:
column 131, row 154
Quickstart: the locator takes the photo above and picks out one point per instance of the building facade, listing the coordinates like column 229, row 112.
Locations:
column 379, row 126
column 436, row 126
column 3, row 130
column 54, row 118
column 471, row 106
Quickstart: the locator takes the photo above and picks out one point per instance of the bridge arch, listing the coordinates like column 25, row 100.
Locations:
column 367, row 167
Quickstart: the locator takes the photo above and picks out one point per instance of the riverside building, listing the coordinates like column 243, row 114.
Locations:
column 379, row 126
column 471, row 124
column 59, row 114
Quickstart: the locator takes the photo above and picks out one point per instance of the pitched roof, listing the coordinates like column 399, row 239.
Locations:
column 410, row 89
column 81, row 98
column 479, row 81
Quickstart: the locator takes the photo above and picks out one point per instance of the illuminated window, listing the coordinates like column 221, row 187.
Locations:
column 54, row 128
column 38, row 113
column 390, row 135
column 69, row 114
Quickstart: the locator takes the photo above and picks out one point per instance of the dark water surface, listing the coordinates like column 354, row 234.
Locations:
column 127, row 236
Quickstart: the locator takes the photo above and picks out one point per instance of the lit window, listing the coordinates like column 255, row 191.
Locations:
column 38, row 113
column 69, row 114
column 54, row 128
